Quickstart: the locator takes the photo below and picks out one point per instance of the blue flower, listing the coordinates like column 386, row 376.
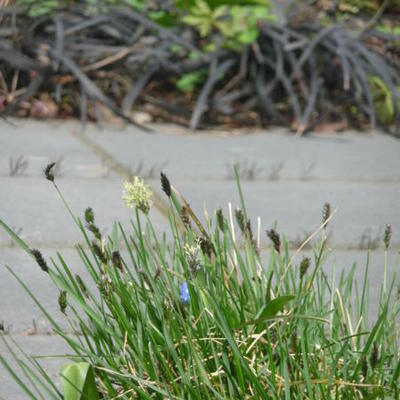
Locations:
column 184, row 293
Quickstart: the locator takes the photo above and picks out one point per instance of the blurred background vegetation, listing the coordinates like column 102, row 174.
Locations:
column 305, row 64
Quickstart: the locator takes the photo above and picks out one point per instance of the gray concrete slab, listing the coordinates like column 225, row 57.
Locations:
column 17, row 309
column 35, row 144
column 33, row 206
column 343, row 157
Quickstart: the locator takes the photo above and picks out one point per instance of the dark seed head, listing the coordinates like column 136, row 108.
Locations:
column 220, row 219
column 116, row 259
column 37, row 255
column 249, row 231
column 240, row 220
column 364, row 367
column 326, row 212
column 206, row 246
column 275, row 239
column 81, row 285
column 387, row 236
column 95, row 230
column 185, row 217
column 89, row 216
column 165, row 184
column 374, row 356
column 62, row 301
column 99, row 253
column 304, row 265
column 48, row 171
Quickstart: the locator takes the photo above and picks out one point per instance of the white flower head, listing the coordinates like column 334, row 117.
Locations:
column 137, row 195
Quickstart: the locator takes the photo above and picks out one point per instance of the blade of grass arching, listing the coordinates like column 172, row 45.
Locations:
column 82, row 304
column 21, row 366
column 349, row 289
column 332, row 296
column 318, row 265
column 189, row 210
column 286, row 380
column 16, row 378
column 396, row 375
column 128, row 247
column 268, row 292
column 34, row 377
column 83, row 231
column 36, row 364
column 139, row 233
column 15, row 237
column 67, row 271
column 239, row 187
column 304, row 353
column 32, row 296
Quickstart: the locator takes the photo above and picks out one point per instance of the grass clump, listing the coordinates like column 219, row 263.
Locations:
column 205, row 316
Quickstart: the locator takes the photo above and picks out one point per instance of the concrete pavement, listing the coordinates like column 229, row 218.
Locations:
column 284, row 179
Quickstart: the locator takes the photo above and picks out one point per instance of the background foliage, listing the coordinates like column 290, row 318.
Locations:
column 199, row 62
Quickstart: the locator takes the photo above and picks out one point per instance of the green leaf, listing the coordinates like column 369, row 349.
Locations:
column 188, row 82
column 78, row 382
column 271, row 309
column 274, row 306
column 248, row 36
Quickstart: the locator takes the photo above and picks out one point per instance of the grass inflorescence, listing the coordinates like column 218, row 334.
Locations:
column 206, row 315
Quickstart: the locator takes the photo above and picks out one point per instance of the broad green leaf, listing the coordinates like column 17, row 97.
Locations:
column 274, row 306
column 78, row 382
column 188, row 82
column 271, row 309
column 248, row 36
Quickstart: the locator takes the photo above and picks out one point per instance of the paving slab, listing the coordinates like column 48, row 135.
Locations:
column 264, row 155
column 33, row 144
column 33, row 207
column 18, row 311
